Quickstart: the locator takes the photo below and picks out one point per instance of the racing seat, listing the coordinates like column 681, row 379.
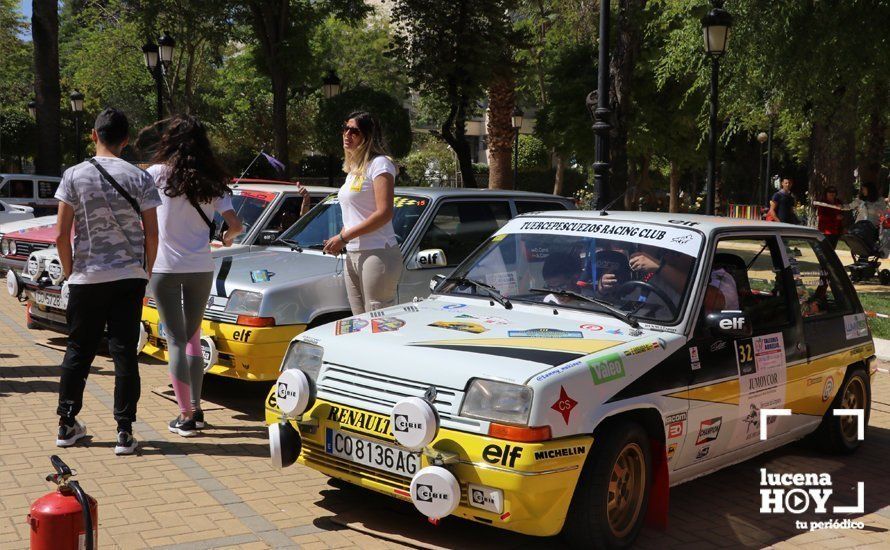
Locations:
column 738, row 270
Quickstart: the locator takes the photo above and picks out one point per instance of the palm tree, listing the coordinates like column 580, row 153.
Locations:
column 501, row 101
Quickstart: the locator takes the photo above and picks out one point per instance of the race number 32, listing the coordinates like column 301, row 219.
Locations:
column 744, row 350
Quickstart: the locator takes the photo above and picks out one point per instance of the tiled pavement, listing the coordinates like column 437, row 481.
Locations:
column 220, row 490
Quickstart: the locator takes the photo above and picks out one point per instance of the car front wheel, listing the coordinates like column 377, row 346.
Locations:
column 610, row 501
column 840, row 434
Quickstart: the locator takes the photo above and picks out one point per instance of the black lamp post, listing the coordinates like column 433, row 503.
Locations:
column 516, row 122
column 330, row 87
column 32, row 108
column 77, row 108
column 761, row 138
column 602, row 114
column 715, row 28
column 158, row 58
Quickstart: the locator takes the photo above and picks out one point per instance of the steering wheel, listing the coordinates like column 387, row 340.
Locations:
column 629, row 286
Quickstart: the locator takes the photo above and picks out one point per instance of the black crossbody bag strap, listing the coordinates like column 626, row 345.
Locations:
column 117, row 187
column 210, row 223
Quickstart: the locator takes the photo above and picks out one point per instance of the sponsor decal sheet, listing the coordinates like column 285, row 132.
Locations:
column 762, row 376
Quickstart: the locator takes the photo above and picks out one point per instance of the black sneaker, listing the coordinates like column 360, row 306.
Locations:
column 68, row 435
column 126, row 443
column 185, row 428
column 198, row 417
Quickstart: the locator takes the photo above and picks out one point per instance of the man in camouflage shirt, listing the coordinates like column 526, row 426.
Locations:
column 111, row 205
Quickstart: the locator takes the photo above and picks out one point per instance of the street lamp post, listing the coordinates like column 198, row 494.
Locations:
column 77, row 108
column 330, row 87
column 715, row 28
column 158, row 58
column 516, row 122
column 771, row 114
column 761, row 138
column 602, row 114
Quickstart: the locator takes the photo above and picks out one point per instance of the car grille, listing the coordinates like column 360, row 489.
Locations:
column 218, row 316
column 378, row 393
column 25, row 248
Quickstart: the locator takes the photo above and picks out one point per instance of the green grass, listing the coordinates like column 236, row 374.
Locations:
column 879, row 302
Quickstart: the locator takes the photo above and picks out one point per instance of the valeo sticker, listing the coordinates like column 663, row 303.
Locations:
column 606, row 368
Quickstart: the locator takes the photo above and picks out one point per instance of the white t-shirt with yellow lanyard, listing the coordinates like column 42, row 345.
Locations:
column 357, row 203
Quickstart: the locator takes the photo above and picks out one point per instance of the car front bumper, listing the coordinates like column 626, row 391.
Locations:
column 245, row 353
column 537, row 487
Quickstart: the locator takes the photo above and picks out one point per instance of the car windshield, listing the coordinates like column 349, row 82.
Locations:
column 326, row 219
column 248, row 206
column 622, row 269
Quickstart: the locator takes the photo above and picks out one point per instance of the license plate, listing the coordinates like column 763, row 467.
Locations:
column 381, row 456
column 50, row 300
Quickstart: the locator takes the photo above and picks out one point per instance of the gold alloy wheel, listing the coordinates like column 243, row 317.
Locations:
column 854, row 398
column 627, row 485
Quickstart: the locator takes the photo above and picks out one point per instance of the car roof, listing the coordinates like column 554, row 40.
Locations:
column 30, row 176
column 280, row 187
column 436, row 192
column 705, row 224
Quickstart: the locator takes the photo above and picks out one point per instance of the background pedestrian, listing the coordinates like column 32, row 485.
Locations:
column 830, row 220
column 781, row 205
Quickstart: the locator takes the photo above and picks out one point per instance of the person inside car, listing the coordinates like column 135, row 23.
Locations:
column 722, row 293
column 561, row 271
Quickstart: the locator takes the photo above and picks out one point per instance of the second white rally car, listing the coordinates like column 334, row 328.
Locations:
column 577, row 365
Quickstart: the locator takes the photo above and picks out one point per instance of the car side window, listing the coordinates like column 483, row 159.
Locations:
column 47, row 189
column 461, row 226
column 524, row 207
column 746, row 275
column 17, row 189
column 816, row 279
column 288, row 213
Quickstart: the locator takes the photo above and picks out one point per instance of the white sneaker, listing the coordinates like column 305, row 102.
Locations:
column 126, row 444
column 68, row 435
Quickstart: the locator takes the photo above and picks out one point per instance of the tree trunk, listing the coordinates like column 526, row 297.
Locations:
column 48, row 95
column 501, row 102
column 279, row 120
column 875, row 139
column 629, row 37
column 559, row 179
column 832, row 149
column 453, row 132
column 674, row 205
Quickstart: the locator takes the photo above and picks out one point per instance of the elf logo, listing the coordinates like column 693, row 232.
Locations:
column 734, row 323
column 242, row 335
column 505, row 456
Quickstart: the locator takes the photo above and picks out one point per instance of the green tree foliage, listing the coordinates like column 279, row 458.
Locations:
column 448, row 50
column 394, row 120
column 16, row 127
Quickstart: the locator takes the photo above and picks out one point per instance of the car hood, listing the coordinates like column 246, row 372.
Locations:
column 21, row 226
column 446, row 343
column 269, row 270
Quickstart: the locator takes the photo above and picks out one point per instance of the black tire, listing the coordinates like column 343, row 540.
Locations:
column 621, row 447
column 884, row 276
column 838, row 434
column 855, row 276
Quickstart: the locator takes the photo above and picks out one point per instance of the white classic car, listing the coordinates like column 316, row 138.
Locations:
column 577, row 365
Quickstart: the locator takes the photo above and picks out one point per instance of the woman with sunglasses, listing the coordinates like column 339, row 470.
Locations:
column 373, row 260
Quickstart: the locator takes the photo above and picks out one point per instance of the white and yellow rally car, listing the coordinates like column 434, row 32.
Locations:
column 577, row 365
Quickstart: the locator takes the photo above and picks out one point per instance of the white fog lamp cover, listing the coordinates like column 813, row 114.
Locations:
column 33, row 267
column 66, row 293
column 209, row 352
column 292, row 392
column 54, row 268
column 12, row 284
column 414, row 423
column 284, row 444
column 143, row 333
column 435, row 492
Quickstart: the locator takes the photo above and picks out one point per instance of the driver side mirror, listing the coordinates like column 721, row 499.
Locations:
column 731, row 324
column 432, row 257
column 436, row 281
column 267, row 237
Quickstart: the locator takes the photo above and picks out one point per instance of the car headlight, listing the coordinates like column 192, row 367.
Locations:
column 497, row 401
column 4, row 247
column 304, row 356
column 12, row 248
column 243, row 302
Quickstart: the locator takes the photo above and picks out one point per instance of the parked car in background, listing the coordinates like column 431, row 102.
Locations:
column 261, row 300
column 32, row 190
column 266, row 208
column 14, row 212
column 13, row 257
column 577, row 366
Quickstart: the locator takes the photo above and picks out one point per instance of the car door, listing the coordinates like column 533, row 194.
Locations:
column 832, row 328
column 732, row 378
column 456, row 229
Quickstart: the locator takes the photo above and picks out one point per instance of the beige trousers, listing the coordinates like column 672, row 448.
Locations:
column 372, row 278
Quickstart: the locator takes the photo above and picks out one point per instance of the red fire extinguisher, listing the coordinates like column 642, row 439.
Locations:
column 66, row 518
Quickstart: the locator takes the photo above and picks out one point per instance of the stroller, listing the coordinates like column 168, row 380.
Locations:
column 868, row 246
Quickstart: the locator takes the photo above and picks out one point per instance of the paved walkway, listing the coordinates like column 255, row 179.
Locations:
column 219, row 490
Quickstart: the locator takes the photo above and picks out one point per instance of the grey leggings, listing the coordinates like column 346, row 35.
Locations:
column 181, row 299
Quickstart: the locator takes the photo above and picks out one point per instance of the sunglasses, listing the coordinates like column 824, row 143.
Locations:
column 351, row 130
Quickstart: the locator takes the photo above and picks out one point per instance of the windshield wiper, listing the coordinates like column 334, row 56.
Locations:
column 293, row 245
column 614, row 311
column 316, row 246
column 491, row 291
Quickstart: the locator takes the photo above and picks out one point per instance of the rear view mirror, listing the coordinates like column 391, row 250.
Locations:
column 732, row 323
column 433, row 257
column 435, row 281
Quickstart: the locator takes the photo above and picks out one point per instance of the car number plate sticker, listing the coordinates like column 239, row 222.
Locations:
column 50, row 299
column 381, row 456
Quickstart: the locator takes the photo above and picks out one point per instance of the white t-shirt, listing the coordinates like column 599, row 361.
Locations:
column 357, row 204
column 183, row 243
